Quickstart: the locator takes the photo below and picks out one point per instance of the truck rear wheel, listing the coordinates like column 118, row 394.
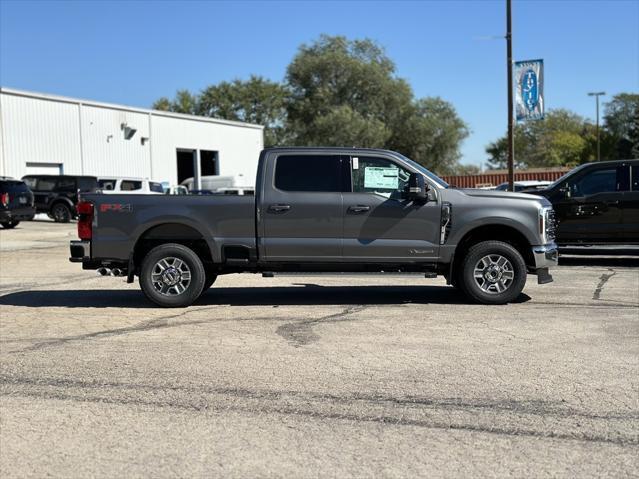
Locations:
column 172, row 276
column 61, row 213
column 492, row 272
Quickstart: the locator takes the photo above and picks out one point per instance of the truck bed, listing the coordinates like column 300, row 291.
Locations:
column 120, row 220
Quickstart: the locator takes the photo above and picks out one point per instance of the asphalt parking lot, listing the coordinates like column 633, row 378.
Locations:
column 306, row 376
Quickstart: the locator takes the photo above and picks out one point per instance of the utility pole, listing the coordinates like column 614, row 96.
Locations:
column 509, row 68
column 597, row 94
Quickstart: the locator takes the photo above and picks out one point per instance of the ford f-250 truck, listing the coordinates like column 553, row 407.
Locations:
column 322, row 210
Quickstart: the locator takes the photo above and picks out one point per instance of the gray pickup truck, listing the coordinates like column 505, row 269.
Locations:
column 322, row 210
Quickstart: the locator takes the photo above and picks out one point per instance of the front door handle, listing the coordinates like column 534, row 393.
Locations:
column 279, row 208
column 358, row 209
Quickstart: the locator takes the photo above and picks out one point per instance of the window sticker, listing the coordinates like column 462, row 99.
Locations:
column 385, row 178
column 356, row 163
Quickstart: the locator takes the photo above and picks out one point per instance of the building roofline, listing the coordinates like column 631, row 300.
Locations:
column 113, row 106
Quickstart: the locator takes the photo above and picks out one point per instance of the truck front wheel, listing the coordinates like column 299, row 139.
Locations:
column 172, row 276
column 492, row 272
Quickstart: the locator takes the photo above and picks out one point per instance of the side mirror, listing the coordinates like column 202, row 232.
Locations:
column 565, row 190
column 417, row 188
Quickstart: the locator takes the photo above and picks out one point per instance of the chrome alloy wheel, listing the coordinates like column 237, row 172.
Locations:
column 171, row 276
column 494, row 274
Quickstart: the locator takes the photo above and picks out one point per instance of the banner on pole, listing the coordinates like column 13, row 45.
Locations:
column 529, row 95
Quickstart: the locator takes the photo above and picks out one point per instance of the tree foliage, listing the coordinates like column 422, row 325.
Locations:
column 337, row 92
column 621, row 121
column 564, row 138
column 256, row 100
column 346, row 93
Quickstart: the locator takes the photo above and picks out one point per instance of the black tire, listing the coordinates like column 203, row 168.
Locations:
column 172, row 296
column 10, row 224
column 210, row 279
column 501, row 273
column 61, row 213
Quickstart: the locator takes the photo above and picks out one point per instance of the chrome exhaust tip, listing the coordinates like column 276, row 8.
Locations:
column 104, row 271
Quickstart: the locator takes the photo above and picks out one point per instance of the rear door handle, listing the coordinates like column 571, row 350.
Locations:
column 358, row 209
column 279, row 208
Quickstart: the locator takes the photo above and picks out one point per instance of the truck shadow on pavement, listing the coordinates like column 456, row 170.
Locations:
column 297, row 295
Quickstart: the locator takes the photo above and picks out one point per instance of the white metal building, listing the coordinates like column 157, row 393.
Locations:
column 47, row 134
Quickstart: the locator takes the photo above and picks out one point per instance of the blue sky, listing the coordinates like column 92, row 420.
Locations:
column 134, row 52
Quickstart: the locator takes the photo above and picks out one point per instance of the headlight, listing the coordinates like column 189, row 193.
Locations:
column 547, row 224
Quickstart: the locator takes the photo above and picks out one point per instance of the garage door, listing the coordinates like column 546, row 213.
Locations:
column 44, row 168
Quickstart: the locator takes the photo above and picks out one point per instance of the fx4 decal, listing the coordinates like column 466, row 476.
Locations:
column 115, row 208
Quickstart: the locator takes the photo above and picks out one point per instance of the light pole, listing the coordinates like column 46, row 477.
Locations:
column 509, row 67
column 597, row 94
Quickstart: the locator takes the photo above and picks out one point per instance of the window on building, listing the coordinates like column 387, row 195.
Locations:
column 130, row 185
column 308, row 173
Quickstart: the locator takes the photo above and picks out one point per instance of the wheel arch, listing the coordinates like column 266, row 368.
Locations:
column 172, row 232
column 66, row 201
column 495, row 232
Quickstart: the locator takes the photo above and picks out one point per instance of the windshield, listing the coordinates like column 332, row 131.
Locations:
column 441, row 183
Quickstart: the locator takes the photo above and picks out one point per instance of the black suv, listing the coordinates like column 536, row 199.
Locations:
column 16, row 202
column 597, row 203
column 57, row 195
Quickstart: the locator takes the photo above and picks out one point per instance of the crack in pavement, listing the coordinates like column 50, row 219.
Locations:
column 602, row 282
column 157, row 323
column 301, row 333
column 278, row 403
column 559, row 408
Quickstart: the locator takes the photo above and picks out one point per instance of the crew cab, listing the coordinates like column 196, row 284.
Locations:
column 597, row 203
column 322, row 210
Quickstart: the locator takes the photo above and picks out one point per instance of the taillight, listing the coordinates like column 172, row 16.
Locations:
column 4, row 199
column 85, row 218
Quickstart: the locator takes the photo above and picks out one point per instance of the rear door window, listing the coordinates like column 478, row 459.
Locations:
column 107, row 184
column 128, row 185
column 46, row 184
column 10, row 186
column 310, row 173
column 156, row 187
column 30, row 182
column 66, row 184
column 635, row 177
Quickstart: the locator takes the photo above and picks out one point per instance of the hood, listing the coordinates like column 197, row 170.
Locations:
column 503, row 195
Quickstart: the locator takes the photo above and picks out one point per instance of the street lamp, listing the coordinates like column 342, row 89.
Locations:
column 597, row 94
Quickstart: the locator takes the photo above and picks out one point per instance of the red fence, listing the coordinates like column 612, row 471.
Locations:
column 495, row 178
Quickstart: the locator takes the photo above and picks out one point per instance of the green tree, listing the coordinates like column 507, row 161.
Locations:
column 163, row 104
column 431, row 135
column 345, row 92
column 563, row 138
column 256, row 100
column 621, row 122
column 184, row 102
column 338, row 92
